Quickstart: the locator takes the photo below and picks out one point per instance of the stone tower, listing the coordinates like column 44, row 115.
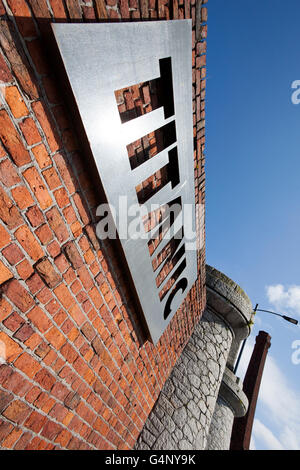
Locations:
column 202, row 396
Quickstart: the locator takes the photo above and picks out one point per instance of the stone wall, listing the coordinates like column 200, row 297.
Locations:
column 182, row 415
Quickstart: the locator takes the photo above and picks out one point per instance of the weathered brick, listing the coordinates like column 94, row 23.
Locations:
column 29, row 243
column 12, row 438
column 5, row 429
column 15, row 101
column 22, row 197
column 5, row 399
column 28, row 365
column 38, row 187
column 57, row 224
column 24, row 269
column 41, row 155
column 35, row 216
column 44, row 234
column 8, row 174
column 48, row 273
column 17, row 411
column 52, row 178
column 61, row 197
column 12, row 140
column 13, row 254
column 30, row 131
column 18, row 295
column 14, row 52
column 4, row 237
column 65, row 172
column 50, row 430
column 58, row 9
column 73, row 255
column 5, row 75
column 45, row 379
column 39, row 319
column 24, row 333
column 47, row 125
column 74, row 9
column 35, row 422
column 55, row 338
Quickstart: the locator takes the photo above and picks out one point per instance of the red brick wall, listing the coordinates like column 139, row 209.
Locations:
column 77, row 373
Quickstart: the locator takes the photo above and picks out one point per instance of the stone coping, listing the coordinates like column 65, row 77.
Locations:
column 231, row 392
column 228, row 300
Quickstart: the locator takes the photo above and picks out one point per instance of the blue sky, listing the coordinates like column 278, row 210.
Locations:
column 253, row 187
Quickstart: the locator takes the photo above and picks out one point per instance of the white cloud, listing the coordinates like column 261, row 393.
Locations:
column 284, row 298
column 266, row 436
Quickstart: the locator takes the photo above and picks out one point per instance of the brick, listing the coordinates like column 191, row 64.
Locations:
column 73, row 255
column 23, row 18
column 58, row 9
column 18, row 295
column 8, row 212
column 61, row 197
column 28, row 365
column 35, row 216
column 50, row 430
column 53, row 249
column 15, row 101
column 8, row 174
column 41, row 155
column 30, row 131
column 38, row 187
column 72, row 400
column 35, row 421
column 40, row 8
column 24, row 269
column 77, row 314
column 44, row 234
column 45, row 379
column 14, row 52
column 83, row 211
column 22, row 197
column 13, row 254
column 55, row 338
column 5, row 429
column 17, row 411
column 101, row 9
column 47, row 125
column 5, row 273
column 48, row 273
column 74, row 9
column 13, row 322
column 57, row 224
column 12, row 140
column 29, row 242
column 85, row 277
column 5, row 75
column 5, row 399
column 24, row 333
column 4, row 237
column 52, row 178
column 88, row 331
column 12, row 438
column 66, row 173
column 5, row 309
column 64, row 296
column 39, row 319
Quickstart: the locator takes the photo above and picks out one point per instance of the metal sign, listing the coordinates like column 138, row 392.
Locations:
column 101, row 59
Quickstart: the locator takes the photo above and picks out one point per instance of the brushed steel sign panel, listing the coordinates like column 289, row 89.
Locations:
column 100, row 59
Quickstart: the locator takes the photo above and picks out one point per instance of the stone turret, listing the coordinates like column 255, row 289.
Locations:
column 197, row 405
